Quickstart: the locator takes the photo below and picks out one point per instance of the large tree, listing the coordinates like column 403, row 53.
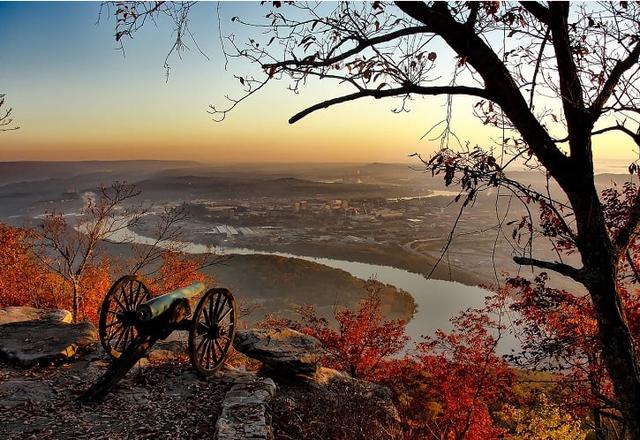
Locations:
column 553, row 75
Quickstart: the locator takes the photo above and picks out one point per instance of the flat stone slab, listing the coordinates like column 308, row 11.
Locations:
column 19, row 314
column 283, row 350
column 15, row 392
column 33, row 342
column 245, row 409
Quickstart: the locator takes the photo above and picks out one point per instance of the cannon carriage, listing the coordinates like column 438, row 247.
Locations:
column 131, row 321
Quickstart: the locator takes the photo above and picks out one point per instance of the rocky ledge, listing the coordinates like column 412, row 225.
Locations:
column 292, row 388
column 20, row 314
column 28, row 343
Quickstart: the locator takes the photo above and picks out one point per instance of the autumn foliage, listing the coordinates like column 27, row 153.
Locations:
column 450, row 386
column 24, row 278
column 27, row 279
column 177, row 270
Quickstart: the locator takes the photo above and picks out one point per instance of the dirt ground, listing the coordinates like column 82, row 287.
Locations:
column 163, row 400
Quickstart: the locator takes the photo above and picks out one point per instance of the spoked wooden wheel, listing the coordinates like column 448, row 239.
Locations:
column 212, row 329
column 118, row 313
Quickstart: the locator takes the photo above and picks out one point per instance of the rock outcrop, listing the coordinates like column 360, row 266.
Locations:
column 28, row 343
column 307, row 389
column 283, row 351
column 249, row 410
column 245, row 413
column 20, row 314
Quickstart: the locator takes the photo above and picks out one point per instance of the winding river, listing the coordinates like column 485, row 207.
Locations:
column 437, row 301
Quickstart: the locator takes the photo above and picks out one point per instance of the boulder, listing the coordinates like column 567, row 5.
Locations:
column 32, row 342
column 19, row 314
column 282, row 350
column 245, row 413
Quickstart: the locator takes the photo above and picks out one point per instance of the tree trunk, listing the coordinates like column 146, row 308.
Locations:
column 75, row 302
column 600, row 267
column 595, row 412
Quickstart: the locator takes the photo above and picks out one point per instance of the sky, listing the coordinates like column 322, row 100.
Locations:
column 77, row 97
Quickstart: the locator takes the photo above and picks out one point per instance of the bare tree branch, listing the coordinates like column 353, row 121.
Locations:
column 561, row 268
column 614, row 77
column 362, row 44
column 621, row 128
column 537, row 10
column 406, row 90
column 6, row 121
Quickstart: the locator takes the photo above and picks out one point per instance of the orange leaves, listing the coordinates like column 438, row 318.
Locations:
column 94, row 284
column 24, row 278
column 177, row 270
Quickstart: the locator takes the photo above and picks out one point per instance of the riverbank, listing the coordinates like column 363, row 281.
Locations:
column 394, row 256
column 272, row 284
column 437, row 300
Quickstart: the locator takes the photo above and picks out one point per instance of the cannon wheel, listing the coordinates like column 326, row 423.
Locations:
column 212, row 329
column 117, row 313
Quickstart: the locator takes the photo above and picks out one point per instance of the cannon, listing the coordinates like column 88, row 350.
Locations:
column 131, row 321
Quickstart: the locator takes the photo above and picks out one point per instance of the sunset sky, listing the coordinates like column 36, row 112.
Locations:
column 77, row 97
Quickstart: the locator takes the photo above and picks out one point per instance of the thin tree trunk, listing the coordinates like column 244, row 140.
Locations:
column 75, row 302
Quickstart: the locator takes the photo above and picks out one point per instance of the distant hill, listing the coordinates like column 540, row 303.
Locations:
column 240, row 187
column 25, row 171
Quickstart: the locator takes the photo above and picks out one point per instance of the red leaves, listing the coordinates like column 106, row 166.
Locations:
column 554, row 227
column 449, row 387
column 491, row 8
column 466, row 380
column 363, row 344
column 617, row 206
column 559, row 333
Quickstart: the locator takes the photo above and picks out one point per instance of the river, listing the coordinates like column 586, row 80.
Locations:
column 437, row 300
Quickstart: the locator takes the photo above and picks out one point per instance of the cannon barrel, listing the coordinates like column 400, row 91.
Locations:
column 157, row 306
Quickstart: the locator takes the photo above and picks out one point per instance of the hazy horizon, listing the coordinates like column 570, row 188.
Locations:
column 603, row 166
